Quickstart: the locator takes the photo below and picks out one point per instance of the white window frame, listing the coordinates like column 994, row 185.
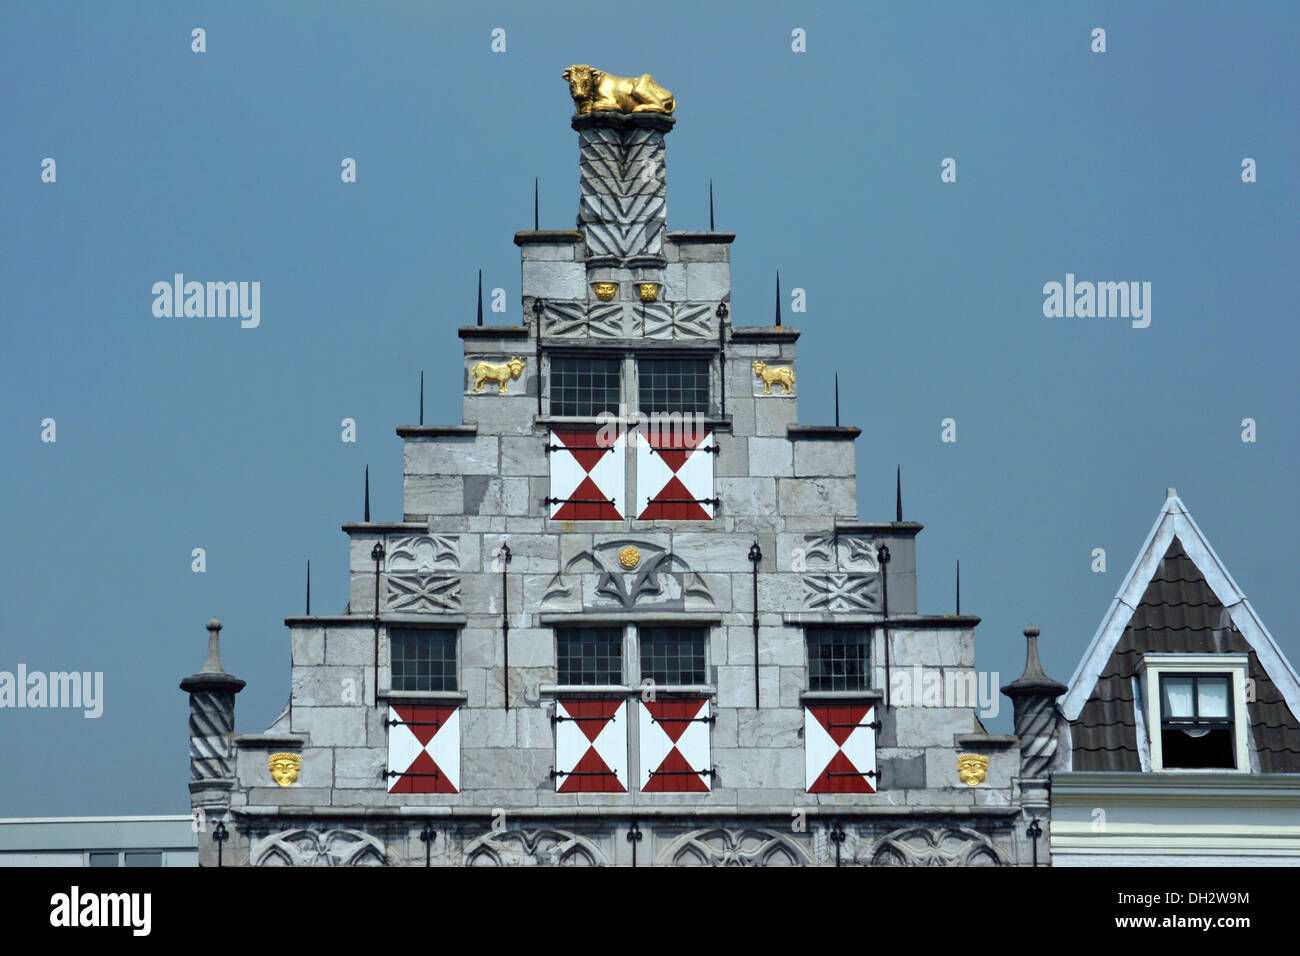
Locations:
column 1153, row 666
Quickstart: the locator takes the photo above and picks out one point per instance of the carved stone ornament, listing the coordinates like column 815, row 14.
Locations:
column 600, row 578
column 284, row 768
column 604, row 290
column 501, row 374
column 649, row 291
column 308, row 847
column 629, row 557
column 540, row 847
column 727, row 846
column 941, row 846
column 423, row 552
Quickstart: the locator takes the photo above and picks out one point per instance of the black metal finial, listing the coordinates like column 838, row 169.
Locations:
column 837, row 399
column 480, row 296
column 898, row 494
column 959, row 585
column 778, row 298
column 309, row 587
column 710, row 205
column 535, row 226
column 421, row 396
column 367, row 492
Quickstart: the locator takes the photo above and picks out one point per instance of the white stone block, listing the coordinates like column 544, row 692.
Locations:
column 452, row 455
column 817, row 496
column 835, row 458
column 707, row 281
column 770, row 456
column 553, row 279
column 307, row 646
column 524, row 455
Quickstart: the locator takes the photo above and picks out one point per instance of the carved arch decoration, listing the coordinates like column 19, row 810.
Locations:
column 938, row 846
column 661, row 578
column 544, row 846
column 307, row 847
column 742, row 846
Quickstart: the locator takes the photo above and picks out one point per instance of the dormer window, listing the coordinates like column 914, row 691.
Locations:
column 1196, row 721
column 1195, row 711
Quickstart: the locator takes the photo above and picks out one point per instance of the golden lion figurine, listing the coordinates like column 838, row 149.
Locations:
column 596, row 91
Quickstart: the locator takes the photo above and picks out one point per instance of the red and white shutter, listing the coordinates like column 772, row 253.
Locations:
column 675, row 745
column 423, row 749
column 587, row 474
column 591, row 746
column 674, row 474
column 840, row 747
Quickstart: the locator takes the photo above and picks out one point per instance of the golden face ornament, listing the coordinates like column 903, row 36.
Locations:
column 972, row 768
column 604, row 290
column 284, row 768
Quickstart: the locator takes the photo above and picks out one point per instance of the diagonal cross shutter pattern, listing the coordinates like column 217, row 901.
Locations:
column 675, row 745
column 587, row 474
column 840, row 748
column 423, row 749
column 674, row 475
column 591, row 746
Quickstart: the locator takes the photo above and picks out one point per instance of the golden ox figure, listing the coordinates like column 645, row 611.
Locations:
column 501, row 374
column 783, row 376
column 595, row 91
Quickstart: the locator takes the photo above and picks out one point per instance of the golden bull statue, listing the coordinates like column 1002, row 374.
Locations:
column 595, row 91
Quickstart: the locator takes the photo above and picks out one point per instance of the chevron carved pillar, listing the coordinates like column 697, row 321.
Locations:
column 623, row 210
column 212, row 729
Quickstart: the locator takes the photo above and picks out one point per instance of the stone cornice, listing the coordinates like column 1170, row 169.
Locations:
column 436, row 431
column 493, row 331
column 384, row 527
column 538, row 237
column 906, row 528
column 701, row 238
column 763, row 333
column 823, row 432
column 647, row 119
column 271, row 741
column 631, row 811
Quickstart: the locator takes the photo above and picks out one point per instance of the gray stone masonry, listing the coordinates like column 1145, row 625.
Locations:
column 476, row 488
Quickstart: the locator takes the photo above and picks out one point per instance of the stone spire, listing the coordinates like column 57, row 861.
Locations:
column 212, row 728
column 1033, row 696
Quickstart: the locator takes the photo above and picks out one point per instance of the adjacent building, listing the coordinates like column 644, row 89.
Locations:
column 1181, row 734
column 99, row 841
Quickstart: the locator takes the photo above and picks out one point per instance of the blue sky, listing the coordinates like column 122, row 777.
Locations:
column 926, row 298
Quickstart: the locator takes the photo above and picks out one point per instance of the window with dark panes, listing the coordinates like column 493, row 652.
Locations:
column 674, row 385
column 423, row 659
column 589, row 655
column 143, row 857
column 585, row 387
column 105, row 858
column 837, row 659
column 1196, row 721
column 673, row 655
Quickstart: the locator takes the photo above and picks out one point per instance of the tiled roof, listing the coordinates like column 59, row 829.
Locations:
column 1178, row 613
